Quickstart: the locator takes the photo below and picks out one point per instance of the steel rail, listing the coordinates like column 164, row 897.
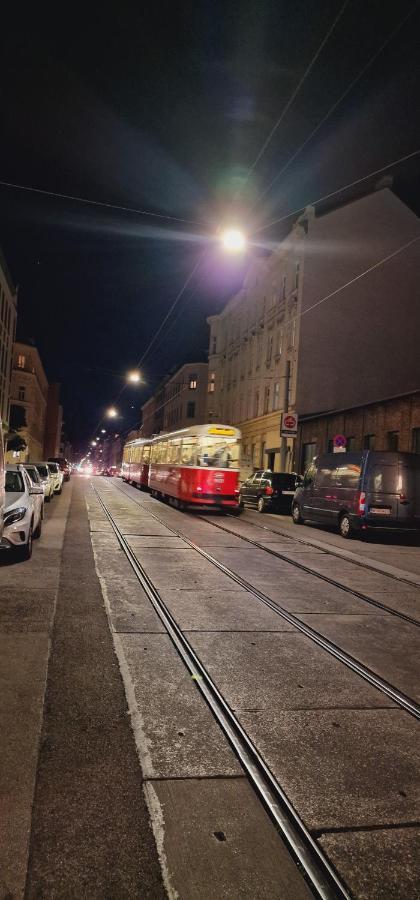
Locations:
column 333, row 649
column 317, row 868
column 321, row 575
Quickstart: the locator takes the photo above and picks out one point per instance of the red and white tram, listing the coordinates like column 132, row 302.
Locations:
column 196, row 466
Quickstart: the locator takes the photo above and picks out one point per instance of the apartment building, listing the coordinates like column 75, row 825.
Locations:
column 29, row 390
column 179, row 401
column 8, row 314
column 328, row 321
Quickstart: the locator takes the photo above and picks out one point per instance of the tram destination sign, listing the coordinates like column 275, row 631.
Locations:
column 289, row 424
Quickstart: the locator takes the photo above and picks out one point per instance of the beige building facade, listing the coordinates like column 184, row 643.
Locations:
column 253, row 355
column 29, row 390
column 8, row 314
column 179, row 401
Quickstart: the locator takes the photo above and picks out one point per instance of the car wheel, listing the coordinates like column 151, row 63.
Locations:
column 38, row 529
column 26, row 551
column 296, row 516
column 261, row 505
column 344, row 526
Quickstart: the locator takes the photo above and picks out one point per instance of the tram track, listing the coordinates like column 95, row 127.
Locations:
column 318, row 871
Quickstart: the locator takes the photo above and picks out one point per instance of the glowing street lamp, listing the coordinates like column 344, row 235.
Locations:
column 233, row 240
column 103, row 431
column 112, row 413
column 134, row 377
column 93, row 443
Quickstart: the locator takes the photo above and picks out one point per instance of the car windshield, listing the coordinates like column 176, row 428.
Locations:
column 33, row 473
column 14, row 483
column 53, row 467
column 283, row 481
column 43, row 471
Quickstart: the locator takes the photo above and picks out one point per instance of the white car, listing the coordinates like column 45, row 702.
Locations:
column 22, row 516
column 46, row 480
column 56, row 477
column 35, row 477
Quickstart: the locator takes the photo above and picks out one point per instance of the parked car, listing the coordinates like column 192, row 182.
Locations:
column 22, row 514
column 361, row 491
column 63, row 465
column 46, row 480
column 2, row 491
column 35, row 477
column 56, row 476
column 270, row 491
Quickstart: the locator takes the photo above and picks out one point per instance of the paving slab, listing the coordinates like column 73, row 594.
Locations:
column 180, row 737
column 353, row 575
column 297, row 552
column 216, row 610
column 400, row 600
column 23, row 664
column 128, row 607
column 184, row 568
column 151, row 541
column 219, row 843
column 277, row 671
column 377, row 865
column 388, row 645
column 343, row 768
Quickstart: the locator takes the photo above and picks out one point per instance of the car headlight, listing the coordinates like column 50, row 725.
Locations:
column 15, row 515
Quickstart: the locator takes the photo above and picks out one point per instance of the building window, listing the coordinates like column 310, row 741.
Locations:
column 190, row 409
column 415, row 440
column 284, row 288
column 214, row 345
column 392, row 440
column 297, row 272
column 193, row 381
column 276, row 396
column 269, row 349
column 21, row 393
column 257, row 403
column 211, row 384
column 308, row 453
column 330, row 446
column 266, row 398
column 351, row 444
column 21, row 361
column 262, row 460
column 369, row 442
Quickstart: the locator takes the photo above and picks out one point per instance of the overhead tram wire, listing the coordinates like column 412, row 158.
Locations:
column 337, row 103
column 295, row 92
column 345, row 187
column 100, row 203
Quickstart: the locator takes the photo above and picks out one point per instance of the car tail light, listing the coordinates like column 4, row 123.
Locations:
column 403, row 498
column 237, row 491
column 269, row 490
column 361, row 505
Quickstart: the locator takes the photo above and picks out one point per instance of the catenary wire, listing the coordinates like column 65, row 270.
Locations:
column 294, row 93
column 337, row 103
column 88, row 202
column 345, row 187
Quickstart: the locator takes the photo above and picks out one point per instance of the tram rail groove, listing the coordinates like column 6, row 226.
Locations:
column 316, row 867
column 321, row 575
column 333, row 649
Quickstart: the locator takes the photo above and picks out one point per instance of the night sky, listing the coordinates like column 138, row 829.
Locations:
column 164, row 108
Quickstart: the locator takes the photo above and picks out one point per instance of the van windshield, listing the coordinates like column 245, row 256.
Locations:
column 383, row 479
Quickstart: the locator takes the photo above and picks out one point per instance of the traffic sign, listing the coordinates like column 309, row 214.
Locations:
column 289, row 425
column 339, row 443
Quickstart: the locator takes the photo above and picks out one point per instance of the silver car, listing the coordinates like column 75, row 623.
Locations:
column 22, row 516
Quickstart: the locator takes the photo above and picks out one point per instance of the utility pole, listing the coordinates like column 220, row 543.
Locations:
column 283, row 440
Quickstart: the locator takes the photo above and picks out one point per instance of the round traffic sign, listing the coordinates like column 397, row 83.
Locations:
column 289, row 421
column 339, row 440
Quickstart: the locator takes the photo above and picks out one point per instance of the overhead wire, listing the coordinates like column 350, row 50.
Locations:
column 295, row 92
column 100, row 203
column 380, row 171
column 337, row 103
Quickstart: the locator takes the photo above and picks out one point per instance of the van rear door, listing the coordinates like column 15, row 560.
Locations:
column 382, row 494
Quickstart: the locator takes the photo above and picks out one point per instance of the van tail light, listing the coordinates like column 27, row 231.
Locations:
column 269, row 490
column 361, row 504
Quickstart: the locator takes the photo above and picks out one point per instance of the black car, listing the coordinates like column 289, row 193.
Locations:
column 270, row 491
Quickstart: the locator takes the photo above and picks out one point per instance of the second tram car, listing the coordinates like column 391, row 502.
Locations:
column 196, row 466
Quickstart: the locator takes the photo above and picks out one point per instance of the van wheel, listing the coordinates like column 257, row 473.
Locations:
column 296, row 516
column 344, row 526
column 261, row 505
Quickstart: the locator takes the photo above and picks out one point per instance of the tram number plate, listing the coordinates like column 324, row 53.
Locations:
column 378, row 511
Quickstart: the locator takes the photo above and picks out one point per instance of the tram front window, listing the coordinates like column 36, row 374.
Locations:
column 218, row 453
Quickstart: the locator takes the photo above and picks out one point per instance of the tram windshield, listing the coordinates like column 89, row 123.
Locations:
column 218, row 452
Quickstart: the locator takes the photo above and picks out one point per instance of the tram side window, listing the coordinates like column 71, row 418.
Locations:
column 219, row 453
column 154, row 453
column 146, row 453
column 189, row 452
column 173, row 451
column 163, row 450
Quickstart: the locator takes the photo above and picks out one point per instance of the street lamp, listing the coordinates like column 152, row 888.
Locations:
column 134, row 377
column 93, row 443
column 112, row 413
column 233, row 240
column 103, row 431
